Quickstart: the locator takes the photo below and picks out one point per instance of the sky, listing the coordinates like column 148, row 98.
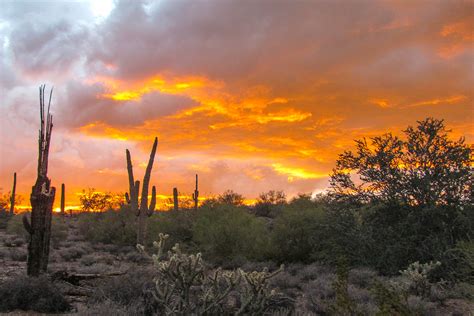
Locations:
column 251, row 95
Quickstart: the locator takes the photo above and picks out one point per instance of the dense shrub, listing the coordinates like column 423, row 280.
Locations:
column 401, row 234
column 176, row 224
column 126, row 290
column 226, row 232
column 73, row 253
column 32, row 294
column 110, row 227
column 18, row 254
column 297, row 232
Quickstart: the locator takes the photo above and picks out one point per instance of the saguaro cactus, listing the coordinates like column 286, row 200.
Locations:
column 175, row 199
column 142, row 210
column 196, row 194
column 63, row 199
column 42, row 198
column 12, row 198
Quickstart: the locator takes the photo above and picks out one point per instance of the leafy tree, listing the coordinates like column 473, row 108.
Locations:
column 426, row 168
column 230, row 197
column 92, row 200
column 269, row 203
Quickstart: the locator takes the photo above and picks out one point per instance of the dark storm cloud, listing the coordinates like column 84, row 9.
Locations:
column 85, row 105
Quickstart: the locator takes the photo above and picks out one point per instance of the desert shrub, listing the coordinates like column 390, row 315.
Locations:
column 59, row 229
column 72, row 253
column 390, row 301
column 18, row 254
column 88, row 260
column 362, row 277
column 109, row 307
column 320, row 294
column 126, row 290
column 343, row 303
column 4, row 253
column 110, row 227
column 458, row 262
column 226, row 233
column 14, row 241
column 136, row 256
column 177, row 224
column 297, row 233
column 32, row 294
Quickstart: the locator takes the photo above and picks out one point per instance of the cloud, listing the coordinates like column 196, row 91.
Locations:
column 252, row 95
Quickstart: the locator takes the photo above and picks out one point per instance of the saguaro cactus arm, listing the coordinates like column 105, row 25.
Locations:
column 151, row 208
column 146, row 178
column 63, row 198
column 12, row 197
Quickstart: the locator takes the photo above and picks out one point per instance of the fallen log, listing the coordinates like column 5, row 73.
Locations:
column 76, row 278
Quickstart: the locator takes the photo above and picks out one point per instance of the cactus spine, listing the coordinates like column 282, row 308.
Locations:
column 196, row 195
column 41, row 198
column 175, row 199
column 142, row 210
column 12, row 198
column 63, row 200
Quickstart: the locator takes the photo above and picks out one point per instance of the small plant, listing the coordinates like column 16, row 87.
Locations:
column 32, row 294
column 415, row 278
column 343, row 305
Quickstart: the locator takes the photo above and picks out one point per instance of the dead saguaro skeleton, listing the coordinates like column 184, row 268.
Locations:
column 41, row 198
column 12, row 198
column 175, row 199
column 142, row 209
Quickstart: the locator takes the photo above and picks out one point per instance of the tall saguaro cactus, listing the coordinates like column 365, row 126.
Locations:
column 142, row 209
column 41, row 198
column 63, row 199
column 196, row 195
column 12, row 198
column 175, row 199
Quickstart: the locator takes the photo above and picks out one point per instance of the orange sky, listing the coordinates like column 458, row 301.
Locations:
column 251, row 95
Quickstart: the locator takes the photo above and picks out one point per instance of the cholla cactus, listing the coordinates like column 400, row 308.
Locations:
column 185, row 286
column 414, row 278
column 255, row 293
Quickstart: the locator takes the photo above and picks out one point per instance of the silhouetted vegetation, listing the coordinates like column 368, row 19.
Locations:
column 392, row 236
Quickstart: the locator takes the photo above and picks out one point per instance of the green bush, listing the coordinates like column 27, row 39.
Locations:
column 110, row 227
column 32, row 294
column 226, row 232
column 59, row 229
column 177, row 224
column 297, row 232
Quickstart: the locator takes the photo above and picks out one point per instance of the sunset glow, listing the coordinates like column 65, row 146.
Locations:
column 247, row 99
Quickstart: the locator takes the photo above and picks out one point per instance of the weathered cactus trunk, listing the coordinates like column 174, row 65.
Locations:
column 196, row 195
column 12, row 198
column 142, row 210
column 175, row 199
column 42, row 199
column 63, row 199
